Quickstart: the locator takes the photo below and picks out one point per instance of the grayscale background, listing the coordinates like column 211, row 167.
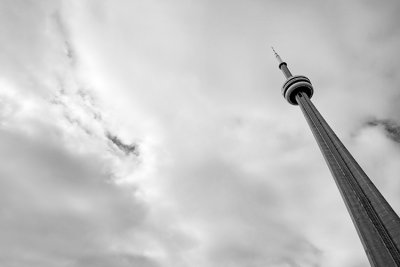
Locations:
column 154, row 134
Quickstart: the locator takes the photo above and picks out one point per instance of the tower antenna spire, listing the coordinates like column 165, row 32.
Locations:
column 276, row 55
column 282, row 65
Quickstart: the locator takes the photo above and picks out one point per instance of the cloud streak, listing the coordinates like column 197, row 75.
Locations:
column 227, row 173
column 392, row 129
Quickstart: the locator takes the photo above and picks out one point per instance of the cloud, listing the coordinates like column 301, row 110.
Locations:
column 127, row 149
column 392, row 129
column 228, row 174
column 57, row 207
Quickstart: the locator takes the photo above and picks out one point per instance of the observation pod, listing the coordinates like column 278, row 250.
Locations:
column 294, row 85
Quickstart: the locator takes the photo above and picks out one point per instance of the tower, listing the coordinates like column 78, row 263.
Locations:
column 377, row 225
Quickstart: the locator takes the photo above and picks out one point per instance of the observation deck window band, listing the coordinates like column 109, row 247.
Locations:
column 294, row 79
column 291, row 91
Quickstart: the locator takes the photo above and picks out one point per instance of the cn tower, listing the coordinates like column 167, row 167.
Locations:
column 377, row 225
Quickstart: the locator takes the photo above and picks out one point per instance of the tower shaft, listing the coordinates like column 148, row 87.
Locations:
column 378, row 226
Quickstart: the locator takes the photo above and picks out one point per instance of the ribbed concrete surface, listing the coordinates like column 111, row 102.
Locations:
column 377, row 224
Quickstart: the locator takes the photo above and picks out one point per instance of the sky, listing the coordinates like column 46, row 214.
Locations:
column 154, row 133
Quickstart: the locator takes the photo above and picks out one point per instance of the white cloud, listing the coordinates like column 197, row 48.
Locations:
column 227, row 173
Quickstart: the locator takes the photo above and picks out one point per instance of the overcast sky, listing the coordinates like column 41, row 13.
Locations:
column 154, row 134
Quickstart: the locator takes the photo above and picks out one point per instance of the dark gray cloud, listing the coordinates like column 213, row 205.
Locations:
column 229, row 173
column 391, row 128
column 128, row 149
column 64, row 36
column 57, row 209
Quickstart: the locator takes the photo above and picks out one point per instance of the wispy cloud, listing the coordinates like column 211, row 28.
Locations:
column 392, row 129
column 127, row 149
column 217, row 170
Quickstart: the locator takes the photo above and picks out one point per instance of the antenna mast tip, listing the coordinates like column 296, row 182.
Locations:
column 277, row 56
